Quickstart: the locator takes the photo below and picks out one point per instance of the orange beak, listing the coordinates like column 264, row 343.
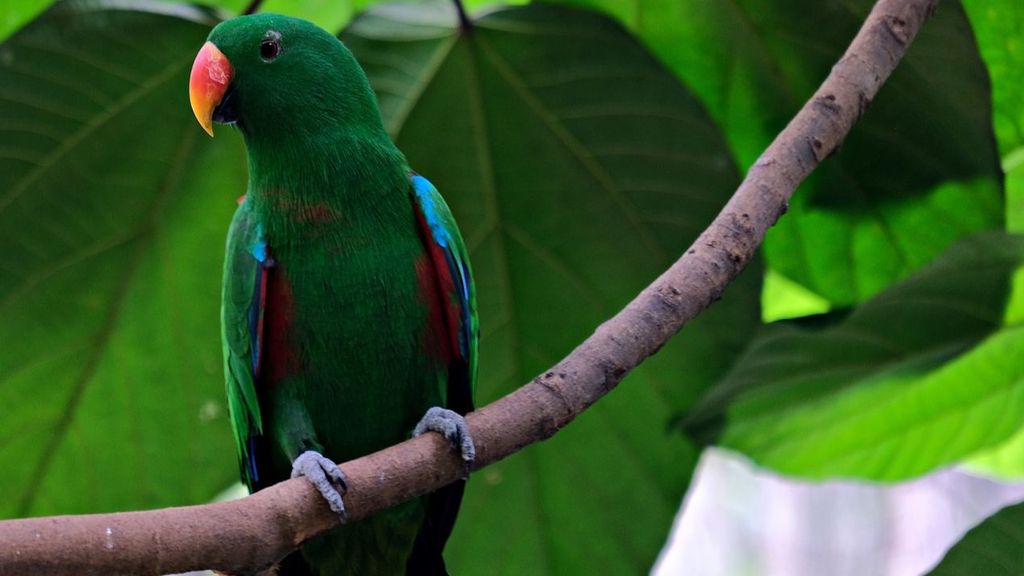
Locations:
column 211, row 75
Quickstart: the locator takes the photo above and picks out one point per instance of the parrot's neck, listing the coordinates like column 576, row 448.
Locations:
column 299, row 183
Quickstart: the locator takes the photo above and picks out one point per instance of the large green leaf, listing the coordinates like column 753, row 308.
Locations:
column 1004, row 460
column 576, row 164
column 328, row 14
column 578, row 168
column 918, row 171
column 999, row 27
column 17, row 14
column 918, row 377
column 993, row 548
column 112, row 211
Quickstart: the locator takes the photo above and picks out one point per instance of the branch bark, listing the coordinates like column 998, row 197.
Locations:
column 248, row 534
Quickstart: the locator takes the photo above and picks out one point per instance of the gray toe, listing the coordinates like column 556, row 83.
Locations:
column 452, row 426
column 325, row 476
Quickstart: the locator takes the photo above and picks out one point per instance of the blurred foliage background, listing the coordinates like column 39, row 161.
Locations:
column 582, row 146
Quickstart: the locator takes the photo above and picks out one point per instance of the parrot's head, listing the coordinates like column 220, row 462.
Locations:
column 274, row 75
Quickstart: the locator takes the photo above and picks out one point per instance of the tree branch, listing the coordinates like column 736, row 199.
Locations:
column 254, row 532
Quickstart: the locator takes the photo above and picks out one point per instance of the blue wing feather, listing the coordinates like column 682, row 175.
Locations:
column 446, row 234
column 441, row 231
column 241, row 324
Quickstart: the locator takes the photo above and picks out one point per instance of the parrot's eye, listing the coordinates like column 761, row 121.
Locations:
column 270, row 47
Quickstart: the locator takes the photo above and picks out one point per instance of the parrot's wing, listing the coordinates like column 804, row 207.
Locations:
column 245, row 280
column 446, row 249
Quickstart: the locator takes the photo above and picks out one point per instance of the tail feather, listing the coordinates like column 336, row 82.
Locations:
column 294, row 565
column 426, row 558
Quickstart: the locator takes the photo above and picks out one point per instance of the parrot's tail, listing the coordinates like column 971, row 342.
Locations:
column 426, row 558
column 294, row 565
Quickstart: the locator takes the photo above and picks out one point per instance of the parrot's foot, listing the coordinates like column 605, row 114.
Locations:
column 325, row 476
column 453, row 427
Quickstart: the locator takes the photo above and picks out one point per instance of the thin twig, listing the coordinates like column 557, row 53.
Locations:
column 254, row 532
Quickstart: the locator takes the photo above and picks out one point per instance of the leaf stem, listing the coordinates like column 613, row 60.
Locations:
column 465, row 24
column 252, row 7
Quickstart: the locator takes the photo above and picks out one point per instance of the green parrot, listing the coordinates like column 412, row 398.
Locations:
column 348, row 306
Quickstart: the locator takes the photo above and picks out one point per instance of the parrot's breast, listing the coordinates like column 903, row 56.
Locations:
column 349, row 322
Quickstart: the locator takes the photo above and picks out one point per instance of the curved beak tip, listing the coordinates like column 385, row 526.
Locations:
column 209, row 80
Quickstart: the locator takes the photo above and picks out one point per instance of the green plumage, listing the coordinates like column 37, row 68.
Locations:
column 333, row 288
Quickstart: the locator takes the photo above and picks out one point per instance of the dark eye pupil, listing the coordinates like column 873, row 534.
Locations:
column 269, row 49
